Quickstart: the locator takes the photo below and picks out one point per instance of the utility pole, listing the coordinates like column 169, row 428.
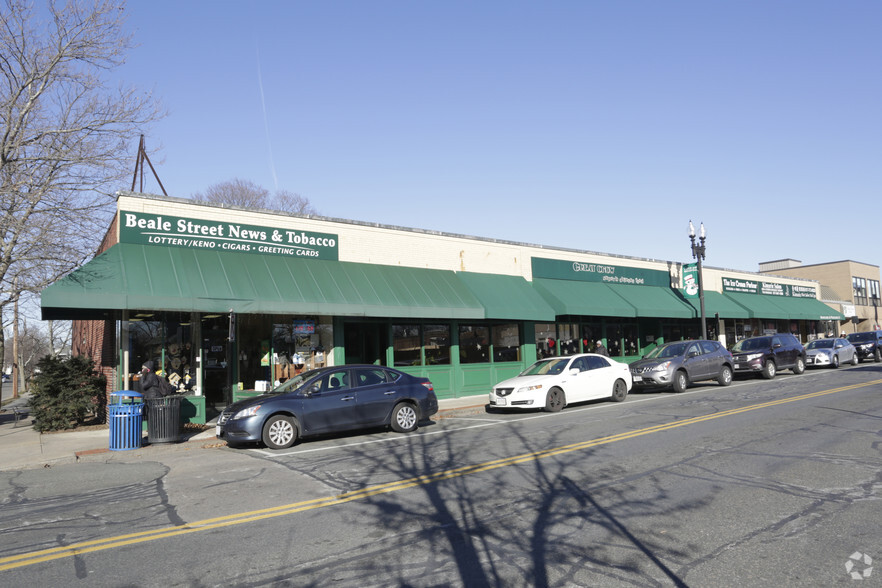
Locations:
column 15, row 338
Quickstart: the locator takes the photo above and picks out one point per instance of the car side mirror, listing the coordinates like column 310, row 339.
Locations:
column 776, row 346
column 574, row 371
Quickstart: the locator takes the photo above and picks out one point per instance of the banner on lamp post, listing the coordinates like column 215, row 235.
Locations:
column 690, row 280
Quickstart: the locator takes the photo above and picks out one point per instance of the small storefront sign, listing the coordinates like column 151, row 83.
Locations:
column 743, row 286
column 560, row 269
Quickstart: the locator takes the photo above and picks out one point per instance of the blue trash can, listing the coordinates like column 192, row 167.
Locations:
column 125, row 420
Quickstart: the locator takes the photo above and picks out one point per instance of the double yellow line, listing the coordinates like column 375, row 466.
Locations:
column 27, row 559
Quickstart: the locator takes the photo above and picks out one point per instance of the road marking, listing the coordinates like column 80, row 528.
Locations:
column 27, row 559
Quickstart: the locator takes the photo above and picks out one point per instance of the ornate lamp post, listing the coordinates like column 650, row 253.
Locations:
column 698, row 254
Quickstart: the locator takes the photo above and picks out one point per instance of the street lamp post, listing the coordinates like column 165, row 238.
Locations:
column 875, row 312
column 698, row 254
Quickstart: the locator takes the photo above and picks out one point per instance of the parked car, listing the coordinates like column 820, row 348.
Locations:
column 680, row 363
column 830, row 352
column 769, row 353
column 555, row 382
column 868, row 345
column 330, row 400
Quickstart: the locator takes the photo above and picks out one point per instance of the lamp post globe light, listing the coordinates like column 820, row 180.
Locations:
column 698, row 255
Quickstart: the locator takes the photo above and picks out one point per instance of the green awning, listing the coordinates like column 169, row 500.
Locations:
column 654, row 301
column 810, row 309
column 569, row 297
column 717, row 303
column 507, row 297
column 129, row 276
column 759, row 306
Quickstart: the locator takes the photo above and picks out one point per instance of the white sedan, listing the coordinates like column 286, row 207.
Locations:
column 831, row 352
column 555, row 382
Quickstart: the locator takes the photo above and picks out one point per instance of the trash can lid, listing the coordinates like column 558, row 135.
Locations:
column 125, row 393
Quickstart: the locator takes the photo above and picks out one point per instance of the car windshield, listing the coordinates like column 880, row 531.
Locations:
column 858, row 337
column 672, row 350
column 546, row 366
column 757, row 344
column 294, row 383
column 820, row 344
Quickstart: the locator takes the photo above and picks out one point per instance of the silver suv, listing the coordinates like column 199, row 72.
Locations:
column 678, row 364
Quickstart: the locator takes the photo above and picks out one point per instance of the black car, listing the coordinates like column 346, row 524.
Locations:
column 868, row 345
column 768, row 354
column 329, row 400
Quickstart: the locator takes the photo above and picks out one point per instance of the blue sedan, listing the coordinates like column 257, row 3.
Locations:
column 330, row 400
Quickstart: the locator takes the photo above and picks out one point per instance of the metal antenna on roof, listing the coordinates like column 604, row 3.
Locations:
column 139, row 167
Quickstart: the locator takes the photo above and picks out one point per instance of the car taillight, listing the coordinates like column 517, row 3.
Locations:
column 429, row 386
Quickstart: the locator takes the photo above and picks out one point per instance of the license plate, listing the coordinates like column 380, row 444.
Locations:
column 809, row 360
column 637, row 378
column 217, row 431
column 500, row 402
column 737, row 366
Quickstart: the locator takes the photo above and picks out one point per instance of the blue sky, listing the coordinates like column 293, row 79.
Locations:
column 603, row 126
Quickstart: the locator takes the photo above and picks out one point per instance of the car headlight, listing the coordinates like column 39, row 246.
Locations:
column 752, row 356
column 662, row 367
column 867, row 347
column 530, row 388
column 246, row 412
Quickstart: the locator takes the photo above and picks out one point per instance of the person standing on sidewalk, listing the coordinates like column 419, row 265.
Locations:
column 600, row 349
column 149, row 381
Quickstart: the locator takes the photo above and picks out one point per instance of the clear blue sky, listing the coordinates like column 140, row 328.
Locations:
column 596, row 125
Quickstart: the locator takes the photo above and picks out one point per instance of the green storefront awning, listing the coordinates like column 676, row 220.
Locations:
column 654, row 301
column 507, row 297
column 130, row 276
column 717, row 303
column 759, row 306
column 568, row 297
column 810, row 309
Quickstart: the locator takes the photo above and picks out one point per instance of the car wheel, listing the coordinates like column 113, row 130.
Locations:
column 769, row 370
column 800, row 366
column 877, row 355
column 404, row 418
column 725, row 377
column 855, row 359
column 835, row 362
column 620, row 391
column 280, row 432
column 680, row 381
column 555, row 400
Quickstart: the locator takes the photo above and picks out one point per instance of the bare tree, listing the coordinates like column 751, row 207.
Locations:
column 64, row 136
column 247, row 194
column 235, row 192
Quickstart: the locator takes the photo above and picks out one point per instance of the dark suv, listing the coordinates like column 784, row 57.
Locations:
column 768, row 354
column 868, row 344
column 678, row 364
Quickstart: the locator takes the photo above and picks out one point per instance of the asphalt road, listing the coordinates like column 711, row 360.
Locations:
column 762, row 483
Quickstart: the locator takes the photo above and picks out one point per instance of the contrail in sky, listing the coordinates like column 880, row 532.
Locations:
column 266, row 122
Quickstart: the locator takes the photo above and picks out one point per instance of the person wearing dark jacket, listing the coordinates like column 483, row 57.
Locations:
column 599, row 348
column 149, row 381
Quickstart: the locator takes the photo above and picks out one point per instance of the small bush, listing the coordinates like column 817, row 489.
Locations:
column 65, row 392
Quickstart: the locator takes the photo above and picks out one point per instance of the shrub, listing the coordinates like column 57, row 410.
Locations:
column 65, row 392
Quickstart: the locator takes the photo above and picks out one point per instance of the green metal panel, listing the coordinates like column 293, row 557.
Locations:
column 568, row 297
column 507, row 297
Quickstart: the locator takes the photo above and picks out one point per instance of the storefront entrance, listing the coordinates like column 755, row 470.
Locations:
column 366, row 342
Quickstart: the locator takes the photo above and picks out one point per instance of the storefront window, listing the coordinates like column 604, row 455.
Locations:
column 590, row 337
column 568, row 339
column 631, row 340
column 437, row 344
column 506, row 342
column 406, row 345
column 166, row 340
column 474, row 344
column 614, row 340
column 546, row 340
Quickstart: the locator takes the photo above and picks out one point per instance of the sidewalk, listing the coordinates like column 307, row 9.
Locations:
column 21, row 447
